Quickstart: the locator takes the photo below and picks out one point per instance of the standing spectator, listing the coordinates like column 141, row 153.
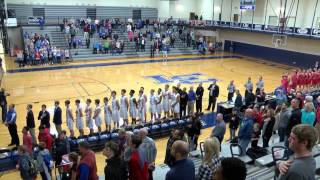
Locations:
column 149, row 148
column 62, row 147
column 3, row 103
column 191, row 100
column 249, row 87
column 281, row 98
column 234, row 124
column 115, row 168
column 57, row 117
column 44, row 117
column 152, row 48
column 245, row 131
column 261, row 96
column 176, row 135
column 211, row 160
column 213, row 95
column 303, row 166
column 238, row 103
column 73, row 157
column 249, row 98
column 267, row 128
column 44, row 136
column 231, row 89
column 44, row 162
column 122, row 141
column 199, row 94
column 194, row 130
column 231, row 169
column 183, row 102
column 285, row 114
column 260, row 84
column 307, row 114
column 87, row 168
column 220, row 128
column 138, row 166
column 27, row 140
column 10, row 122
column 317, row 125
column 183, row 168
column 26, row 165
column 294, row 120
column 31, row 123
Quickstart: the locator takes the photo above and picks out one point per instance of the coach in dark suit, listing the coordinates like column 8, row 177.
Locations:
column 213, row 95
column 44, row 117
column 57, row 117
column 199, row 94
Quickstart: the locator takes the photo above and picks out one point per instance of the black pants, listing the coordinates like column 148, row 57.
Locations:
column 183, row 111
column 212, row 101
column 4, row 112
column 150, row 171
column 152, row 53
column 230, row 96
column 266, row 142
column 195, row 141
column 199, row 105
column 14, row 134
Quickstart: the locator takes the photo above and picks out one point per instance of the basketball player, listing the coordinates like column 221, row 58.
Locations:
column 133, row 107
column 141, row 107
column 285, row 83
column 107, row 114
column 175, row 104
column 69, row 118
column 159, row 104
column 124, row 106
column 88, row 111
column 79, row 115
column 145, row 102
column 153, row 105
column 115, row 110
column 96, row 114
column 166, row 95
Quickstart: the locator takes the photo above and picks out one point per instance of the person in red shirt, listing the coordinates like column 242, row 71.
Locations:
column 27, row 140
column 294, row 80
column 285, row 83
column 44, row 136
column 138, row 167
column 257, row 115
column 87, row 168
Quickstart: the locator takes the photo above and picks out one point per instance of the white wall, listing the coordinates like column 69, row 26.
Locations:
column 182, row 8
column 293, row 44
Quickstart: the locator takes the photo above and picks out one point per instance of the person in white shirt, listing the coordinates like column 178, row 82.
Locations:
column 260, row 84
column 88, row 111
column 96, row 114
column 124, row 106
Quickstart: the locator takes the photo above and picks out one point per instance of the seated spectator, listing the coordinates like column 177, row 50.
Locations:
column 231, row 169
column 44, row 161
column 211, row 160
column 138, row 167
column 115, row 168
column 303, row 166
column 183, row 167
column 307, row 114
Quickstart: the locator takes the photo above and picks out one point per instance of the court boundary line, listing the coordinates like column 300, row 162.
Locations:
column 118, row 63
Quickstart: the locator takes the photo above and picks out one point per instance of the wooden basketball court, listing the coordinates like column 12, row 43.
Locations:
column 96, row 79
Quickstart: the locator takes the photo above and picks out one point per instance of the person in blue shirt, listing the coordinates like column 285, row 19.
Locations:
column 12, row 126
column 245, row 131
column 281, row 98
column 183, row 167
column 191, row 100
column 307, row 114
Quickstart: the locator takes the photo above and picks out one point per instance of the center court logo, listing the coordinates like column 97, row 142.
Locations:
column 193, row 78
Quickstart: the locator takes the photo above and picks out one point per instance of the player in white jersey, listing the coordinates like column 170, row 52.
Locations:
column 124, row 106
column 107, row 114
column 79, row 115
column 141, row 107
column 166, row 95
column 115, row 110
column 88, row 111
column 96, row 114
column 159, row 104
column 145, row 102
column 133, row 107
column 153, row 105
column 175, row 104
column 69, row 118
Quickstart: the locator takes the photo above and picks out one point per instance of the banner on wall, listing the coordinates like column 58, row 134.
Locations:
column 34, row 19
column 248, row 4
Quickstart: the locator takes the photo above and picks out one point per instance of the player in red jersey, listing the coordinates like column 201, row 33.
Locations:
column 285, row 83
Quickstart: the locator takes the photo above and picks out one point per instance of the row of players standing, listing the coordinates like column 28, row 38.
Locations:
column 172, row 103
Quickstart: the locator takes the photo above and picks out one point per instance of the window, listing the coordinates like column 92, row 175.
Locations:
column 38, row 12
column 92, row 13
